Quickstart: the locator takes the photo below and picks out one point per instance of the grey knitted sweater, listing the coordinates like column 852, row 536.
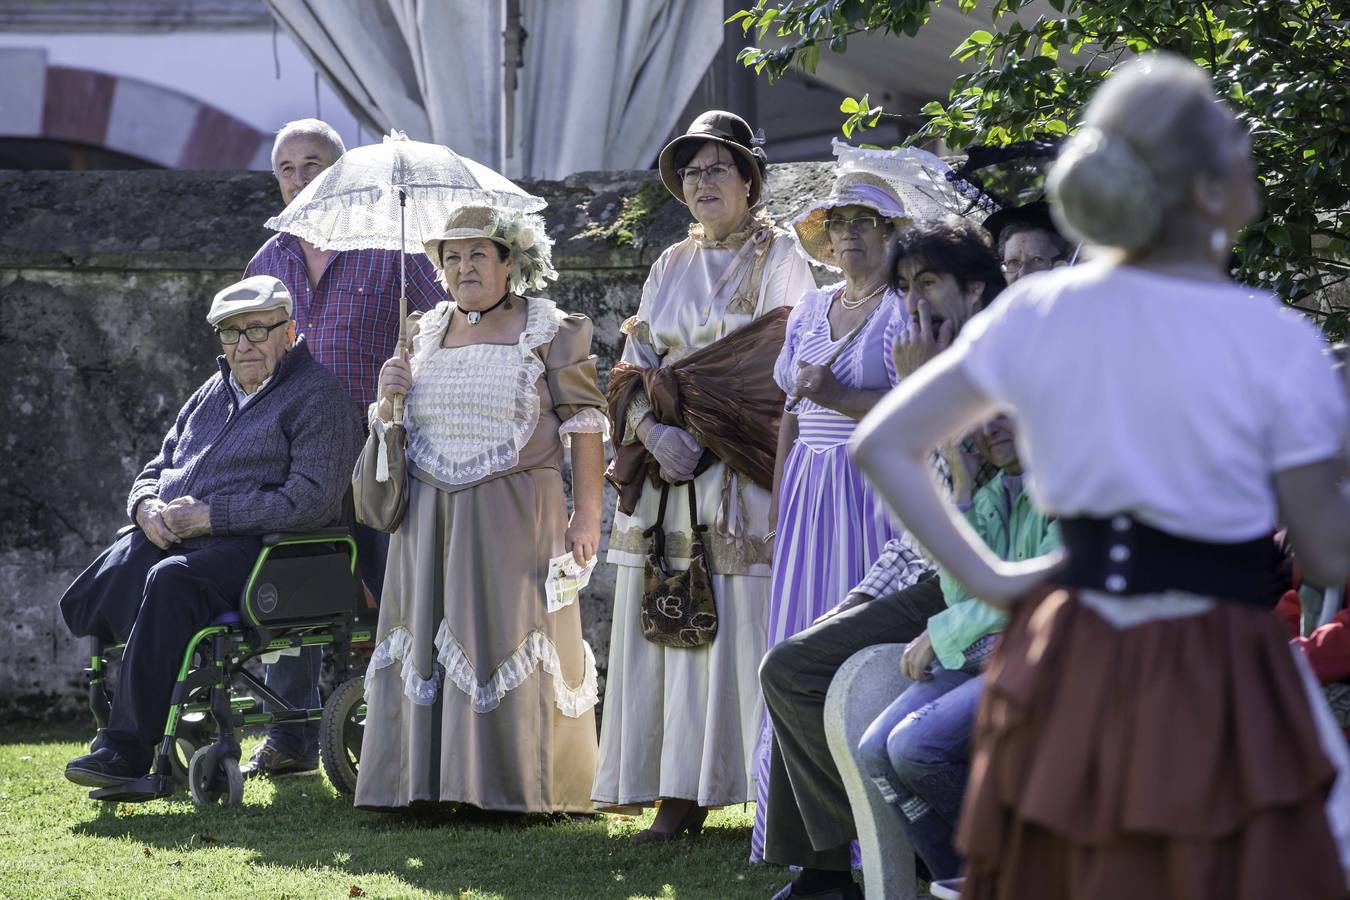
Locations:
column 282, row 463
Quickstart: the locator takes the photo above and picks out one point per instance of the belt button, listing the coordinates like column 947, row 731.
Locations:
column 1120, row 523
column 1115, row 583
column 1119, row 553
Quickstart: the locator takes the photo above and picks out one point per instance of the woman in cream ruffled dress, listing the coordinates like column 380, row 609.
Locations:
column 680, row 723
column 481, row 689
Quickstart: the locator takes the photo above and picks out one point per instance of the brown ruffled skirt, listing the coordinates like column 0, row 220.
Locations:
column 1174, row 759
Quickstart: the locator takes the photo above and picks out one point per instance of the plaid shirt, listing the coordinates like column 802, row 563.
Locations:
column 899, row 566
column 350, row 318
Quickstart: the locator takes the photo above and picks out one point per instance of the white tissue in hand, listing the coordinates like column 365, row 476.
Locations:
column 566, row 578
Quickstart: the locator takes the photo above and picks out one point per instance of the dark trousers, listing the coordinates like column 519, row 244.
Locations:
column 809, row 821
column 176, row 593
column 295, row 679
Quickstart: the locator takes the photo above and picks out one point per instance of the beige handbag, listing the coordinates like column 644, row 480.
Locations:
column 380, row 503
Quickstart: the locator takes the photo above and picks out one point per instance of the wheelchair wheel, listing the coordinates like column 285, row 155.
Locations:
column 191, row 734
column 213, row 776
column 340, row 733
column 181, row 759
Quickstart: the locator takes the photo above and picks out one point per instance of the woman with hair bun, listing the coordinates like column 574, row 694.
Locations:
column 1145, row 731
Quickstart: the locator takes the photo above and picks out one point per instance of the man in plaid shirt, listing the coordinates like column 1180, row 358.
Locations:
column 346, row 306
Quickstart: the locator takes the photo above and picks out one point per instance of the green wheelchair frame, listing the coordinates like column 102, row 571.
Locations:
column 302, row 592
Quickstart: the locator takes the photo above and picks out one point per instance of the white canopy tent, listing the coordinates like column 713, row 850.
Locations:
column 600, row 85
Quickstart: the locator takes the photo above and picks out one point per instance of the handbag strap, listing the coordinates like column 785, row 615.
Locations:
column 657, row 532
column 694, row 525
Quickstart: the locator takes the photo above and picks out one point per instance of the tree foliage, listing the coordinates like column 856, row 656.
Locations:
column 1284, row 65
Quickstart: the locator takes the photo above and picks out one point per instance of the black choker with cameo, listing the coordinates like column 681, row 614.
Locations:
column 476, row 315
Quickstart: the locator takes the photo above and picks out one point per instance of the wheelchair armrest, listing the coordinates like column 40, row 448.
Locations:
column 276, row 539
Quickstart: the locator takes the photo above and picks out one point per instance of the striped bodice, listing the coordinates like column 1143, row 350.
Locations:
column 823, row 429
column 865, row 363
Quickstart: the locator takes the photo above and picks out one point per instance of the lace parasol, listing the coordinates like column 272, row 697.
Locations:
column 355, row 204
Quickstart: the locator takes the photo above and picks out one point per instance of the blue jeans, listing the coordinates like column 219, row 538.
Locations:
column 918, row 754
column 295, row 679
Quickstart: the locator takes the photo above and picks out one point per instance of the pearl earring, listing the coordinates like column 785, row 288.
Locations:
column 1218, row 241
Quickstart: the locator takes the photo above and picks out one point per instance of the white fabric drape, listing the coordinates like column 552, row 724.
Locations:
column 602, row 85
column 427, row 67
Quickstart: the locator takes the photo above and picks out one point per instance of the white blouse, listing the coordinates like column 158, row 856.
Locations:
column 1171, row 399
column 680, row 312
column 472, row 409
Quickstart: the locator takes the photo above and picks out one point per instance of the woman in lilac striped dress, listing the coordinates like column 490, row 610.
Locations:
column 835, row 366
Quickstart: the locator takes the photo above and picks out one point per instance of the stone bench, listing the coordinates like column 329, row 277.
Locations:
column 863, row 687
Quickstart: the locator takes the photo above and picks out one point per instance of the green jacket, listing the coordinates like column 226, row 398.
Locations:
column 1014, row 531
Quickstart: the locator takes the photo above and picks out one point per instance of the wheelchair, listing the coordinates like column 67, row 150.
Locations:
column 303, row 591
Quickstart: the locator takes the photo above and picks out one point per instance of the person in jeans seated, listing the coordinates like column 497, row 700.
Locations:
column 918, row 750
column 267, row 444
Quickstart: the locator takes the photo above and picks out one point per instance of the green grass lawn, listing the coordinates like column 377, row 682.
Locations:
column 297, row 838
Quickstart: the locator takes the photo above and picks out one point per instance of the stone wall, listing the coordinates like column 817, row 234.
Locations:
column 104, row 281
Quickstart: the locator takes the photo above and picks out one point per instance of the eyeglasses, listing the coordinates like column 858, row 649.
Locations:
column 256, row 334
column 694, row 174
column 861, row 224
column 1030, row 264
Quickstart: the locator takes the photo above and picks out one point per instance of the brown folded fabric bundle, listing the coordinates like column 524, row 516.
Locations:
column 723, row 394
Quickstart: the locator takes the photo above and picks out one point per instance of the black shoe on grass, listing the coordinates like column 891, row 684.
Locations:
column 103, row 768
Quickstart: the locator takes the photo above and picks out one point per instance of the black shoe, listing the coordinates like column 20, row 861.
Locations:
column 273, row 763
column 104, row 767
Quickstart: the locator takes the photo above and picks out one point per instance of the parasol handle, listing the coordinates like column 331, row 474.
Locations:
column 402, row 349
column 396, row 414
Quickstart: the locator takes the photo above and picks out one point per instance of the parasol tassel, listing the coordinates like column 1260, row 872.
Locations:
column 382, row 463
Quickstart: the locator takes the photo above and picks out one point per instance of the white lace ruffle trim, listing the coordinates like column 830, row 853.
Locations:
column 589, row 421
column 536, row 651
column 397, row 647
column 473, row 415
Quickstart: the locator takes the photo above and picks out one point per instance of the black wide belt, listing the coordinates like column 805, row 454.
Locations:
column 1119, row 555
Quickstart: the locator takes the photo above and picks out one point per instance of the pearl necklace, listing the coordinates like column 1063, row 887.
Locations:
column 854, row 304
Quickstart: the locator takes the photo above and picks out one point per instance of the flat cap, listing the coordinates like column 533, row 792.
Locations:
column 261, row 292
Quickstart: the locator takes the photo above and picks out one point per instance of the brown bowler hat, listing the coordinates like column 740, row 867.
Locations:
column 724, row 128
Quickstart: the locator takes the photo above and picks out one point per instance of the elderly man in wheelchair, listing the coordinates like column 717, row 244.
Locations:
column 220, row 561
